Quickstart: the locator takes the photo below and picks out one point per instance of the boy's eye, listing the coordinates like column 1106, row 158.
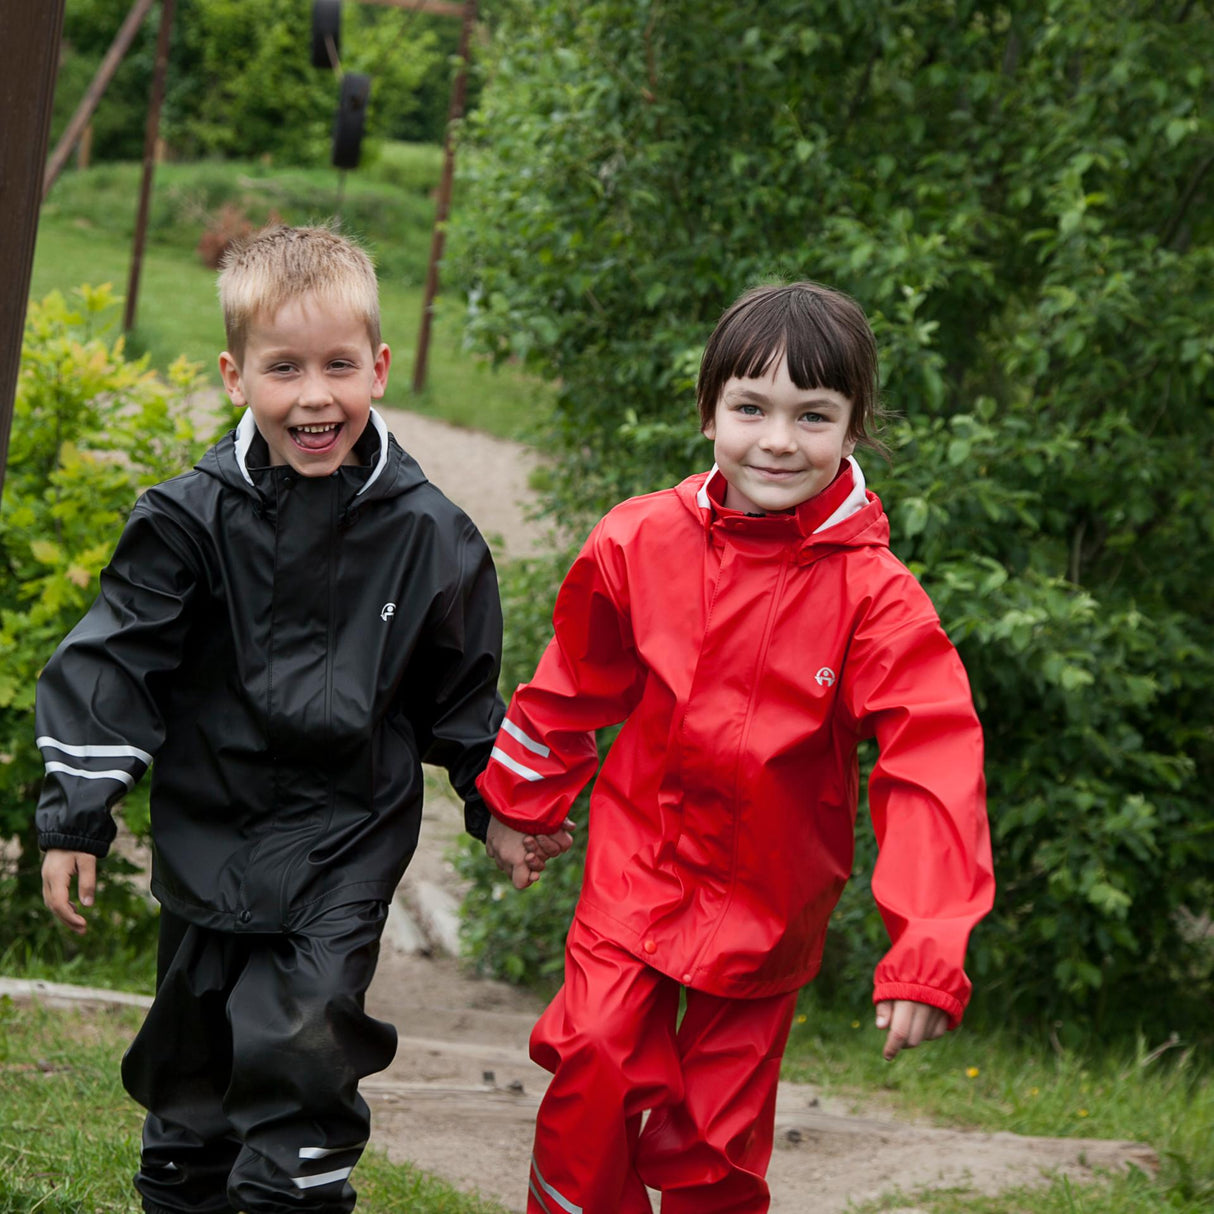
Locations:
column 812, row 417
column 749, row 410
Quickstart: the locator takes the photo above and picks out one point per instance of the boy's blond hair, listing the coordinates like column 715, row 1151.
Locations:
column 280, row 264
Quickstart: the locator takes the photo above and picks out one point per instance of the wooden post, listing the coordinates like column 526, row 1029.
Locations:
column 94, row 92
column 29, row 59
column 454, row 113
column 150, row 141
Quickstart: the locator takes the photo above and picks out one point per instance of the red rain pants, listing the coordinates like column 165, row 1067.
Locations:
column 610, row 1040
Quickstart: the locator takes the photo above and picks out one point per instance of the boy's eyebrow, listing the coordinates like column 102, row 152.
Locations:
column 273, row 352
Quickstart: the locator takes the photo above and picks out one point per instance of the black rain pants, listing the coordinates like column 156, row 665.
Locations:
column 248, row 1064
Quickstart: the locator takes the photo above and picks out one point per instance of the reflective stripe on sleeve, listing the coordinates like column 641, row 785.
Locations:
column 522, row 739
column 515, row 766
column 124, row 777
column 95, row 752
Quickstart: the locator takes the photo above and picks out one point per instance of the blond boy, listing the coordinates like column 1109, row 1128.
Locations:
column 289, row 630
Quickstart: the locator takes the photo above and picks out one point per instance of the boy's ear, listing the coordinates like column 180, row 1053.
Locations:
column 709, row 428
column 231, row 379
column 383, row 360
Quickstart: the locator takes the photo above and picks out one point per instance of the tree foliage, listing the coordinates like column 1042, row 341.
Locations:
column 1020, row 196
column 241, row 83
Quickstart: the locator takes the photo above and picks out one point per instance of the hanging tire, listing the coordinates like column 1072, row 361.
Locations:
column 351, row 118
column 326, row 25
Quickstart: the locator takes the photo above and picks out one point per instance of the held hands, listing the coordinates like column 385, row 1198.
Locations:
column 521, row 856
column 909, row 1024
column 58, row 869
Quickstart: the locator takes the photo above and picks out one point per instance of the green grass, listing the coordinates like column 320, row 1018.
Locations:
column 995, row 1082
column 69, row 1134
column 84, row 236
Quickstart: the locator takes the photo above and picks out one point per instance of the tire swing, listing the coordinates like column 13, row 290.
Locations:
column 326, row 33
column 351, row 118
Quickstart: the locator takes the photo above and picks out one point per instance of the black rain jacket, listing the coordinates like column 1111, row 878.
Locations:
column 289, row 650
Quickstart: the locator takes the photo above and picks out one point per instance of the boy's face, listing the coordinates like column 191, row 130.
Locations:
column 777, row 445
column 309, row 375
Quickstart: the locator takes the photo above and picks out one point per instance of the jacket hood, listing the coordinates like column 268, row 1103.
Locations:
column 857, row 520
column 239, row 459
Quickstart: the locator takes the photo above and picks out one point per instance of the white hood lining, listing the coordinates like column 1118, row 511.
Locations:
column 855, row 501
column 246, row 430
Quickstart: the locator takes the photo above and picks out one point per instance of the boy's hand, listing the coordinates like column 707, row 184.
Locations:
column 909, row 1024
column 507, row 849
column 58, row 868
column 542, row 848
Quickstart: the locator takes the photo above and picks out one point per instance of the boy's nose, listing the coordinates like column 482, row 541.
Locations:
column 314, row 390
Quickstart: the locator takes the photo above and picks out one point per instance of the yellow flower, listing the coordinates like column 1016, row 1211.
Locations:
column 855, row 1024
column 802, row 1019
column 1034, row 1091
column 1083, row 1112
column 971, row 1072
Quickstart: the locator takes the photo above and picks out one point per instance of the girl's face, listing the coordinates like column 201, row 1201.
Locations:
column 778, row 445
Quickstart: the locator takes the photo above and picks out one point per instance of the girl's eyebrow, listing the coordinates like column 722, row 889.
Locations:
column 811, row 400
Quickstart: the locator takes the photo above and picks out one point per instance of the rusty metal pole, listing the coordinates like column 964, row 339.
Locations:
column 29, row 59
column 455, row 112
column 150, row 139
column 95, row 91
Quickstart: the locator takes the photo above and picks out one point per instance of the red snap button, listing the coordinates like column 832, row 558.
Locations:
column 650, row 946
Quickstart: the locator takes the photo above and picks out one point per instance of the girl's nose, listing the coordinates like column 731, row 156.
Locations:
column 777, row 435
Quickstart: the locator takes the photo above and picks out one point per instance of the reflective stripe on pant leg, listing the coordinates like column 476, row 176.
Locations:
column 709, row 1153
column 301, row 1042
column 564, row 1203
column 608, row 1039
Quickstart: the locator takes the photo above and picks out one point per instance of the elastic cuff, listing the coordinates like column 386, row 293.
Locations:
column 476, row 819
column 947, row 1003
column 93, row 847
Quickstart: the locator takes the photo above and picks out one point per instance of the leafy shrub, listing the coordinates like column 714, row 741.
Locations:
column 91, row 429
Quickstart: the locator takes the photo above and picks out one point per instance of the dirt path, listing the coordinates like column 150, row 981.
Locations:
column 460, row 1098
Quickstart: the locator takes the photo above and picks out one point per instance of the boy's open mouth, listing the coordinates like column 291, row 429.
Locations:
column 316, row 438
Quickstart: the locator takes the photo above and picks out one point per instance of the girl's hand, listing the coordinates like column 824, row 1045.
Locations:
column 909, row 1024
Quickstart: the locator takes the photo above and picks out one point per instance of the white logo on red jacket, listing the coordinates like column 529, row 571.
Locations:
column 825, row 677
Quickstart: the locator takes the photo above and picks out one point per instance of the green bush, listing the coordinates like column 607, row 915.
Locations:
column 91, row 429
column 1020, row 197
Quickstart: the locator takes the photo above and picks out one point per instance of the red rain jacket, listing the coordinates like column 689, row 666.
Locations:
column 747, row 657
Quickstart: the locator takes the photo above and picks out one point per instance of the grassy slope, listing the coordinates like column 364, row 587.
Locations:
column 995, row 1082
column 85, row 236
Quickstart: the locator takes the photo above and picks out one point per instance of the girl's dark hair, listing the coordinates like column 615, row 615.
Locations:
column 824, row 333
